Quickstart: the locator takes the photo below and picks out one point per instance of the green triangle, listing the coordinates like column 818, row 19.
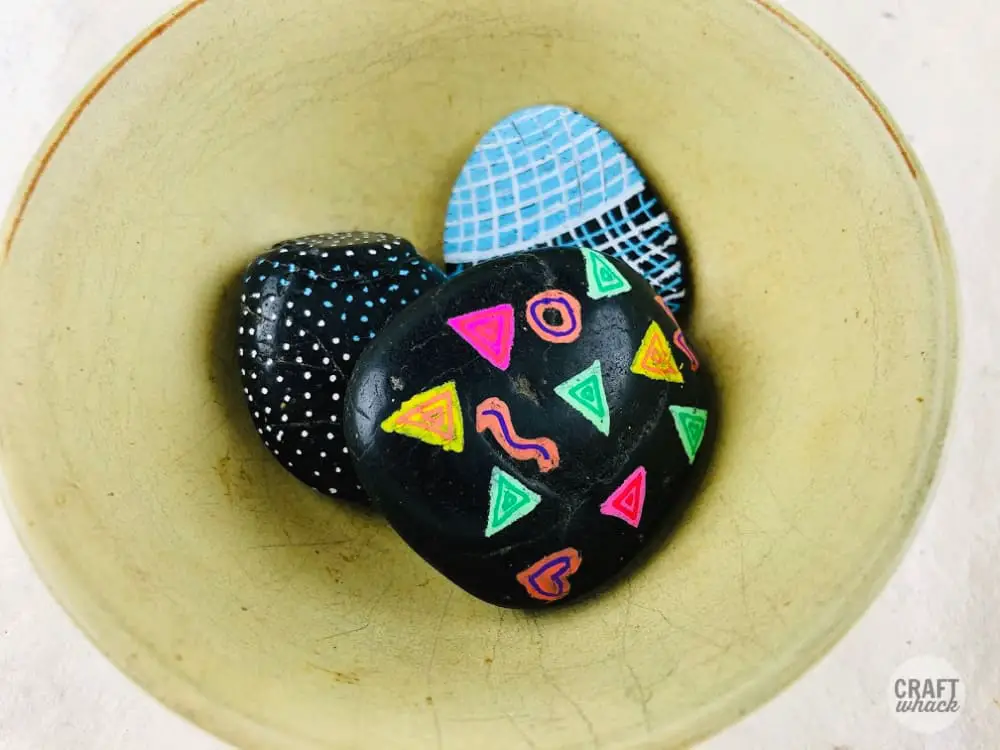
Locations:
column 690, row 423
column 585, row 393
column 510, row 501
column 603, row 279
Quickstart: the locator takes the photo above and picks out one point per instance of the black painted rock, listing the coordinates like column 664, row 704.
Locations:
column 310, row 306
column 529, row 427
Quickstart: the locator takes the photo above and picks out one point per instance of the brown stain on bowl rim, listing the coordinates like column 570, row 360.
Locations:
column 91, row 93
column 851, row 76
column 95, row 88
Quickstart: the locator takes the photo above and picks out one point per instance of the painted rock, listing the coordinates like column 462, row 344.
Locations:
column 531, row 426
column 547, row 176
column 310, row 306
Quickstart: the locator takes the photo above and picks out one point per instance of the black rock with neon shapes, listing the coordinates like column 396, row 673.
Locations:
column 533, row 426
column 309, row 307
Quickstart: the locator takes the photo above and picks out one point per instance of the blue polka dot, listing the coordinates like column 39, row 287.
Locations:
column 371, row 334
column 333, row 284
column 393, row 259
column 416, row 291
column 283, row 282
column 364, row 318
column 275, row 264
column 327, row 303
column 394, row 287
column 313, row 275
column 369, row 303
column 343, row 316
column 261, row 278
column 350, row 298
column 356, row 274
column 402, row 302
column 355, row 338
column 307, row 291
column 292, row 267
column 404, row 272
column 374, row 274
column 423, row 277
column 382, row 300
column 415, row 262
column 336, row 268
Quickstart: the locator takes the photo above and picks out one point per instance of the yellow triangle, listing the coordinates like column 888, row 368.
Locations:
column 655, row 359
column 433, row 417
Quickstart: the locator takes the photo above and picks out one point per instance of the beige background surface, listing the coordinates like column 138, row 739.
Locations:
column 936, row 68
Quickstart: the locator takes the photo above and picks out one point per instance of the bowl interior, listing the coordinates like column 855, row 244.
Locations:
column 824, row 300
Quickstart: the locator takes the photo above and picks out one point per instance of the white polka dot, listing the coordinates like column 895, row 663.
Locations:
column 347, row 357
column 268, row 428
column 288, row 322
column 338, row 470
column 307, row 313
column 251, row 331
column 287, row 399
column 253, row 376
column 246, row 391
column 284, row 417
column 345, row 449
column 241, row 330
column 329, row 436
column 267, row 409
column 333, row 490
column 315, row 473
column 298, row 451
column 333, row 378
column 336, row 397
column 308, row 395
column 326, row 361
column 298, row 360
column 307, row 375
column 302, row 332
column 263, row 391
column 280, row 378
column 253, row 354
column 289, row 305
column 305, row 433
column 321, row 323
column 280, row 435
column 241, row 351
column 269, row 362
column 315, row 347
column 309, row 415
column 286, row 347
column 349, row 253
column 260, row 431
column 270, row 336
column 322, row 454
column 336, row 340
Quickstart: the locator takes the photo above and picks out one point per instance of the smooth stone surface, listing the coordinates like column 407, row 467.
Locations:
column 529, row 426
column 547, row 176
column 309, row 308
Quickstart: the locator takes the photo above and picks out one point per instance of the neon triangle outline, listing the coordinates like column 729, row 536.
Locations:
column 501, row 485
column 440, row 402
column 496, row 343
column 598, row 265
column 568, row 392
column 655, row 359
column 686, row 417
column 628, row 500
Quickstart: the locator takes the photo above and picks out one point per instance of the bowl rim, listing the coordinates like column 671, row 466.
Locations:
column 232, row 725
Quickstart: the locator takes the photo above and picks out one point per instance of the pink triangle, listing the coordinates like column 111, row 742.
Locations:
column 626, row 502
column 489, row 331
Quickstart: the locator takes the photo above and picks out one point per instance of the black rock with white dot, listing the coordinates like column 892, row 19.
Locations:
column 309, row 307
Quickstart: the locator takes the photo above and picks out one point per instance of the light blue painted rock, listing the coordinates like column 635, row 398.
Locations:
column 547, row 176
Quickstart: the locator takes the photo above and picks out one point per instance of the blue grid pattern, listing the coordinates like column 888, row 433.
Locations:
column 534, row 175
column 548, row 177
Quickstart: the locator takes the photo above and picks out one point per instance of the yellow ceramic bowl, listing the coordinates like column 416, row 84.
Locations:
column 276, row 618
